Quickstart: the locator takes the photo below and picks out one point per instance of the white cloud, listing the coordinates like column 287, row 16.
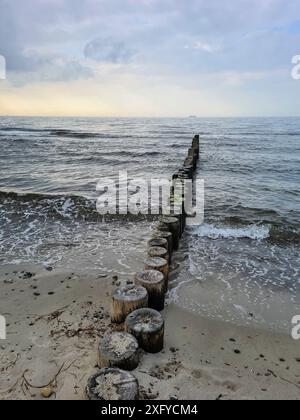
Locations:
column 203, row 46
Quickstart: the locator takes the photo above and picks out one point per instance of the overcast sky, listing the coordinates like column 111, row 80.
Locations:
column 149, row 57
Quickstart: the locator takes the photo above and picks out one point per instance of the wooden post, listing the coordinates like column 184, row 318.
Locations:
column 158, row 251
column 126, row 300
column 172, row 225
column 154, row 282
column 192, row 155
column 196, row 148
column 159, row 264
column 175, row 175
column 147, row 325
column 174, row 204
column 119, row 350
column 196, row 145
column 113, row 385
column 161, row 242
column 169, row 237
column 177, row 202
column 187, row 170
column 189, row 162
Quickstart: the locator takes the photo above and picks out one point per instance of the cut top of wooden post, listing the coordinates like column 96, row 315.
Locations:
column 159, row 242
column 118, row 347
column 143, row 321
column 150, row 277
column 113, row 385
column 169, row 220
column 155, row 263
column 130, row 293
column 161, row 234
column 158, row 251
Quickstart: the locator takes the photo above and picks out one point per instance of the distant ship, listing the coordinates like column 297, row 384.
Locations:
column 193, row 116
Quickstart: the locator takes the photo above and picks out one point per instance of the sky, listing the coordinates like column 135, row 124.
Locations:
column 158, row 58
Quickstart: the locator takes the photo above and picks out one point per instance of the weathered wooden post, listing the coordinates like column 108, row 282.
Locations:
column 112, row 385
column 176, row 204
column 127, row 299
column 189, row 162
column 158, row 251
column 147, row 325
column 169, row 237
column 159, row 264
column 196, row 141
column 161, row 242
column 192, row 155
column 154, row 282
column 119, row 350
column 196, row 145
column 172, row 224
column 187, row 170
column 177, row 201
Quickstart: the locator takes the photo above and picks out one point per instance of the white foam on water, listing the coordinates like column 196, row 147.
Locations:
column 225, row 232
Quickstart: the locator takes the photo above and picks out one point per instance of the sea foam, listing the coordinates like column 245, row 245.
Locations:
column 225, row 232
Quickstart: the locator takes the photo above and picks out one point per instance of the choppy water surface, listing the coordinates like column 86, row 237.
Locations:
column 242, row 265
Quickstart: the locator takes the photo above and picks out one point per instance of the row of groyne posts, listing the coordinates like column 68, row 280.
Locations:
column 138, row 306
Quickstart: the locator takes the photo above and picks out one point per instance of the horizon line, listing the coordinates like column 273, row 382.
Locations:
column 191, row 117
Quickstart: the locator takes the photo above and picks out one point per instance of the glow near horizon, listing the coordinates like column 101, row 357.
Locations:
column 149, row 58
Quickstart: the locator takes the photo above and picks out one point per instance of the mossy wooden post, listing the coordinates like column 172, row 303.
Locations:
column 158, row 251
column 147, row 325
column 113, row 385
column 159, row 264
column 127, row 299
column 172, row 224
column 154, row 282
column 169, row 237
column 119, row 350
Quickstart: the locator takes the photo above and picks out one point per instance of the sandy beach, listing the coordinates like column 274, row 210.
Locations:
column 56, row 320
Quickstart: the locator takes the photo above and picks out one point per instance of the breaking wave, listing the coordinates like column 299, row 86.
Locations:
column 225, row 232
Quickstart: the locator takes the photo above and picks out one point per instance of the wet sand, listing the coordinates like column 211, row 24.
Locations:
column 57, row 318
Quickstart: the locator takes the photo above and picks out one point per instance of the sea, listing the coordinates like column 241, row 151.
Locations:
column 241, row 265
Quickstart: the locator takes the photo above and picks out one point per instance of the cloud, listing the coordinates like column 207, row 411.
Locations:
column 205, row 44
column 108, row 50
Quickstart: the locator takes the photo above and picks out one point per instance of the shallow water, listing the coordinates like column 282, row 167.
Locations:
column 242, row 265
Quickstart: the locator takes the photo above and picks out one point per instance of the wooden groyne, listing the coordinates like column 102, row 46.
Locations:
column 138, row 307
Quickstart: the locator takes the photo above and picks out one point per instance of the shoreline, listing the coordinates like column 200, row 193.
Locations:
column 60, row 317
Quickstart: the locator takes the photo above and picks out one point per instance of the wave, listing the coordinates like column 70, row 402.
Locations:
column 62, row 132
column 73, row 134
column 120, row 153
column 25, row 129
column 226, row 232
column 18, row 206
column 268, row 232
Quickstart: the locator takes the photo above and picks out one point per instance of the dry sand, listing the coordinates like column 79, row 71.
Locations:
column 56, row 320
